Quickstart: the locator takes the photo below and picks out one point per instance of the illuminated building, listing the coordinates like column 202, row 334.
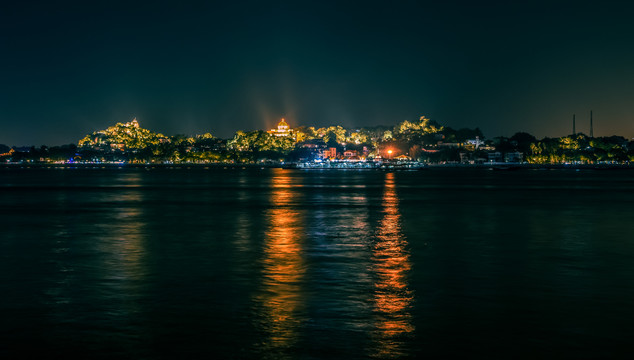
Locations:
column 349, row 153
column 330, row 153
column 134, row 123
column 282, row 129
column 11, row 152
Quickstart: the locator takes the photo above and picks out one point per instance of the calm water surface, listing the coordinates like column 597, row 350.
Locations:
column 277, row 264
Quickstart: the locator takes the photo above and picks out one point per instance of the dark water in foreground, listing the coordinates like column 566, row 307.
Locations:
column 316, row 265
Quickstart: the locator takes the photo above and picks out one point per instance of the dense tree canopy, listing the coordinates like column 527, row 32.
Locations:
column 423, row 139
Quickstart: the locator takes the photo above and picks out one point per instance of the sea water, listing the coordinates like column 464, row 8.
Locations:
column 286, row 264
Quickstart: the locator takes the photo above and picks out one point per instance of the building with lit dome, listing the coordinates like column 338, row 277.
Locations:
column 282, row 129
column 133, row 123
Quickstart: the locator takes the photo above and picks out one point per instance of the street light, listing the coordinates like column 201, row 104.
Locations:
column 389, row 154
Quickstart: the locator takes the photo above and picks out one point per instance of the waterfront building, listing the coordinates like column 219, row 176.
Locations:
column 514, row 157
column 330, row 153
column 349, row 153
column 474, row 143
column 494, row 156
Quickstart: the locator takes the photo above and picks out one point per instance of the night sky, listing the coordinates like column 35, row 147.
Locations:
column 67, row 69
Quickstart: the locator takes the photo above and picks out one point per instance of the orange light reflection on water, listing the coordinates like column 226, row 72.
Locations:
column 392, row 297
column 283, row 270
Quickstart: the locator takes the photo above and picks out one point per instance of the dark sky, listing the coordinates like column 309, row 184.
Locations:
column 67, row 69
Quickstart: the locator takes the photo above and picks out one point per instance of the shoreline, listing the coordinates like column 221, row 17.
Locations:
column 215, row 166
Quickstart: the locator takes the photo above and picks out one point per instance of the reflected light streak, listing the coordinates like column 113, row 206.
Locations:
column 392, row 297
column 243, row 224
column 281, row 298
column 124, row 242
column 119, row 269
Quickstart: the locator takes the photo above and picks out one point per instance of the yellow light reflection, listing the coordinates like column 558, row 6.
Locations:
column 123, row 240
column 119, row 246
column 127, row 238
column 281, row 298
column 243, row 223
column 392, row 297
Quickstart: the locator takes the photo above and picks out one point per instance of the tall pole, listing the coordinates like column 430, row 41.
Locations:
column 574, row 132
column 591, row 128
